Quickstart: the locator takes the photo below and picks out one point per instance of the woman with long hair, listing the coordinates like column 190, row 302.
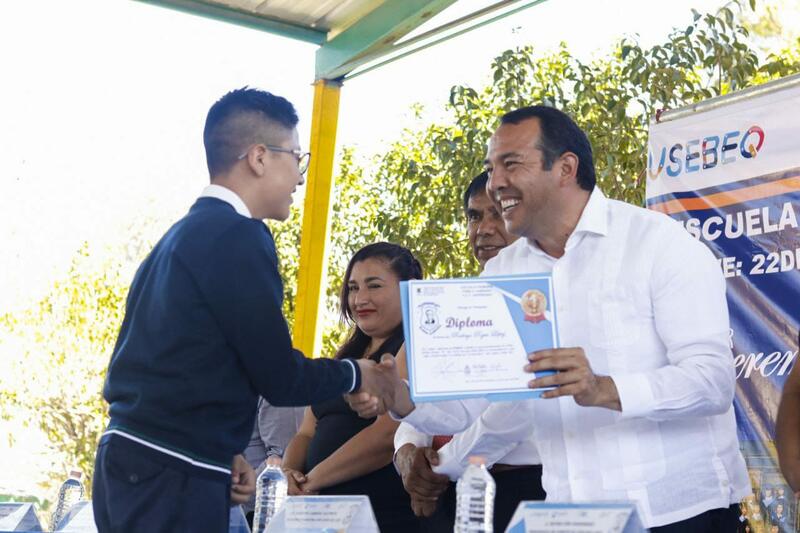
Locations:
column 335, row 451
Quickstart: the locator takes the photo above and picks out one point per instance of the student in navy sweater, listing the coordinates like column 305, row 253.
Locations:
column 203, row 336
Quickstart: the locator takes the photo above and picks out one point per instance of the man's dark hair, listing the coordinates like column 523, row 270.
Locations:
column 559, row 134
column 241, row 118
column 476, row 186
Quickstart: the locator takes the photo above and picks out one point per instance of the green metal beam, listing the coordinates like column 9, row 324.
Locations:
column 243, row 18
column 375, row 32
column 445, row 32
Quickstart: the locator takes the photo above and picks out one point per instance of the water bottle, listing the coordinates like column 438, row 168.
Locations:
column 271, row 490
column 70, row 493
column 475, row 499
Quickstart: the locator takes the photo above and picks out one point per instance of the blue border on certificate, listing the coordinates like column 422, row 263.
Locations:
column 511, row 291
column 622, row 505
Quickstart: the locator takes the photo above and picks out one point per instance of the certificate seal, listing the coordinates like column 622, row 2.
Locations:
column 429, row 318
column 534, row 304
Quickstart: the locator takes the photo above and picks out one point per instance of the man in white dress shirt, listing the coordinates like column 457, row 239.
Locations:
column 516, row 467
column 643, row 404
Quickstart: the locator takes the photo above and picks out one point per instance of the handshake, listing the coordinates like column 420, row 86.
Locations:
column 382, row 389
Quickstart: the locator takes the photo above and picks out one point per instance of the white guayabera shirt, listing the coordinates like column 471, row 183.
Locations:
column 647, row 304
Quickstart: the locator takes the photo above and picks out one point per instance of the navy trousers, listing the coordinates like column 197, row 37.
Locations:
column 138, row 489
column 513, row 486
column 724, row 520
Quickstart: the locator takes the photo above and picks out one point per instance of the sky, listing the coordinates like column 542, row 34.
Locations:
column 102, row 106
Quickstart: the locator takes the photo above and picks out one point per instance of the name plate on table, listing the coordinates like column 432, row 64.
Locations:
column 606, row 517
column 79, row 519
column 471, row 337
column 324, row 514
column 237, row 521
column 18, row 517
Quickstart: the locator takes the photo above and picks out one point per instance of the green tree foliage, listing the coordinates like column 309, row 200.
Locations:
column 353, row 216
column 771, row 25
column 57, row 376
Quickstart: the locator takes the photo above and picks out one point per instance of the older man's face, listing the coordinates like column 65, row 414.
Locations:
column 485, row 228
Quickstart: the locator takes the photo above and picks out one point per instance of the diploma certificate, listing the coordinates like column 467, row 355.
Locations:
column 471, row 337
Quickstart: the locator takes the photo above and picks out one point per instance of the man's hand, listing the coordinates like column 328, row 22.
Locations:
column 381, row 390
column 295, row 480
column 243, row 480
column 419, row 479
column 574, row 377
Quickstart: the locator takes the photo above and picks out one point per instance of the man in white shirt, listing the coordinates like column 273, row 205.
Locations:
column 642, row 408
column 515, row 467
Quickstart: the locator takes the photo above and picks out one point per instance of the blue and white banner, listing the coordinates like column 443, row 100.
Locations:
column 731, row 176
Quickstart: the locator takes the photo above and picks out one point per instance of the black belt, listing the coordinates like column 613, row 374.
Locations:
column 498, row 468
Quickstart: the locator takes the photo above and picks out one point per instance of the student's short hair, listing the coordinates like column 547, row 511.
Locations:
column 241, row 118
column 476, row 186
column 559, row 134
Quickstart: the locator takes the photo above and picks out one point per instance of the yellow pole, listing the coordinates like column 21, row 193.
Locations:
column 307, row 334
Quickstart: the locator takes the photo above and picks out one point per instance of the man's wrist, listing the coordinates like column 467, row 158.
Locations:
column 608, row 395
column 403, row 457
column 402, row 404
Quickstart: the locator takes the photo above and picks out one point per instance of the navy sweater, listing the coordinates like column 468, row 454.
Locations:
column 204, row 335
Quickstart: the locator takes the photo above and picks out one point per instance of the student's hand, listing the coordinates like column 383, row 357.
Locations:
column 381, row 390
column 574, row 377
column 243, row 480
column 419, row 479
column 294, row 479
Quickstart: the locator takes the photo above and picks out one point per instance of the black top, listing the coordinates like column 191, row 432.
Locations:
column 204, row 335
column 336, row 424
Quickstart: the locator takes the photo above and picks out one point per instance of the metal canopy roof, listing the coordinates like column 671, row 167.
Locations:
column 350, row 33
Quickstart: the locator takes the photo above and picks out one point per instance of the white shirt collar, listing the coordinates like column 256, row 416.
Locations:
column 226, row 195
column 594, row 218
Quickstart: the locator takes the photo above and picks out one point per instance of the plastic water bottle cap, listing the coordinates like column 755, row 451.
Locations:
column 477, row 460
column 77, row 474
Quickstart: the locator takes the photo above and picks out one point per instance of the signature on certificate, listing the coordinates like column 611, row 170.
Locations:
column 451, row 368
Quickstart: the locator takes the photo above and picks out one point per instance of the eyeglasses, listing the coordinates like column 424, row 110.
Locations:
column 303, row 158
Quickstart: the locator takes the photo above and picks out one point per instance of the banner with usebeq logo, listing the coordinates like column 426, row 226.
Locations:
column 731, row 176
